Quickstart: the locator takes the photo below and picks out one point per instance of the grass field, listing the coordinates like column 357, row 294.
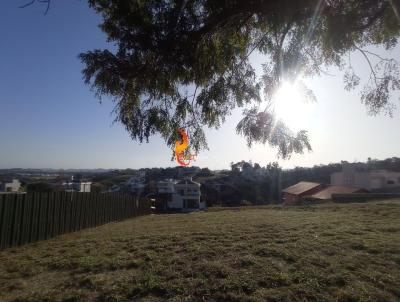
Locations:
column 327, row 252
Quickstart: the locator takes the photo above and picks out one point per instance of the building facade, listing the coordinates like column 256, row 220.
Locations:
column 184, row 195
column 375, row 180
column 77, row 185
column 10, row 185
column 136, row 184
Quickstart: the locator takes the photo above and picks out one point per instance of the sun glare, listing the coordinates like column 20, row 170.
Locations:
column 290, row 107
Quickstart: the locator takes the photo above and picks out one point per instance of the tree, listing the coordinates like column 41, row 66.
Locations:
column 185, row 63
column 205, row 172
column 39, row 187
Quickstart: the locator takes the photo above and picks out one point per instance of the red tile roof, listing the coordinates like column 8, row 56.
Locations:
column 326, row 193
column 301, row 187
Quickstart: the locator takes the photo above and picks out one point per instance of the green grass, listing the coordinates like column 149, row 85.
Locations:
column 329, row 252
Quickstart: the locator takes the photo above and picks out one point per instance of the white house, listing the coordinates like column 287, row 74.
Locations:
column 11, row 185
column 166, row 186
column 370, row 180
column 183, row 195
column 77, row 185
column 135, row 184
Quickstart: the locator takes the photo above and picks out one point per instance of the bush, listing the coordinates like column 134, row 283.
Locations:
column 39, row 187
column 244, row 203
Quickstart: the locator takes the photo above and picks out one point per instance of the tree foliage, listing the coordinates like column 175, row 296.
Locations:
column 185, row 63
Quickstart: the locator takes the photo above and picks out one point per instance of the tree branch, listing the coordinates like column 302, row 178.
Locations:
column 41, row 1
column 363, row 52
column 27, row 4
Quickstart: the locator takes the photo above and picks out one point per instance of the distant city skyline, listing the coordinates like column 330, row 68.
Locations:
column 50, row 119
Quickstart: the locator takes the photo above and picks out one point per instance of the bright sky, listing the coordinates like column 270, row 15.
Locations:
column 50, row 119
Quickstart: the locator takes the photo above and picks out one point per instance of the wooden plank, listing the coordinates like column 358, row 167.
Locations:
column 71, row 200
column 85, row 212
column 124, row 206
column 6, row 221
column 66, row 199
column 135, row 202
column 42, row 216
column 60, row 212
column 82, row 212
column 76, row 215
column 32, row 217
column 95, row 209
column 13, row 222
column 122, row 216
column 103, row 207
column 90, row 210
column 2, row 219
column 19, row 200
column 95, row 205
column 116, row 206
column 98, row 209
column 108, row 207
column 65, row 211
column 113, row 202
column 75, row 221
column 53, row 216
column 131, row 206
column 26, row 219
column 37, row 198
column 71, row 197
column 47, row 224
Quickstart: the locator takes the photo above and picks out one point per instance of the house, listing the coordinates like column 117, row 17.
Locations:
column 10, row 185
column 293, row 194
column 77, row 185
column 375, row 180
column 135, row 184
column 189, row 190
column 326, row 193
column 181, row 195
column 166, row 186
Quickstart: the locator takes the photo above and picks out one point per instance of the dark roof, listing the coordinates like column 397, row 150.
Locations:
column 301, row 187
column 326, row 193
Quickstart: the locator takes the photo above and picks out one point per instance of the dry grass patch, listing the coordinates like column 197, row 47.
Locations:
column 331, row 252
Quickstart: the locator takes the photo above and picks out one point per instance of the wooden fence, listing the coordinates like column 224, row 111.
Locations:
column 32, row 217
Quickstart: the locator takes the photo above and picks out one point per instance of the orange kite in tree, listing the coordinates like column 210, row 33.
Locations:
column 180, row 147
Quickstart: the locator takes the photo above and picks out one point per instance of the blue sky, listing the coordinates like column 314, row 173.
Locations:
column 50, row 119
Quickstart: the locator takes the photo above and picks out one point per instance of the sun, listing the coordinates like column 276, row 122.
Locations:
column 290, row 106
